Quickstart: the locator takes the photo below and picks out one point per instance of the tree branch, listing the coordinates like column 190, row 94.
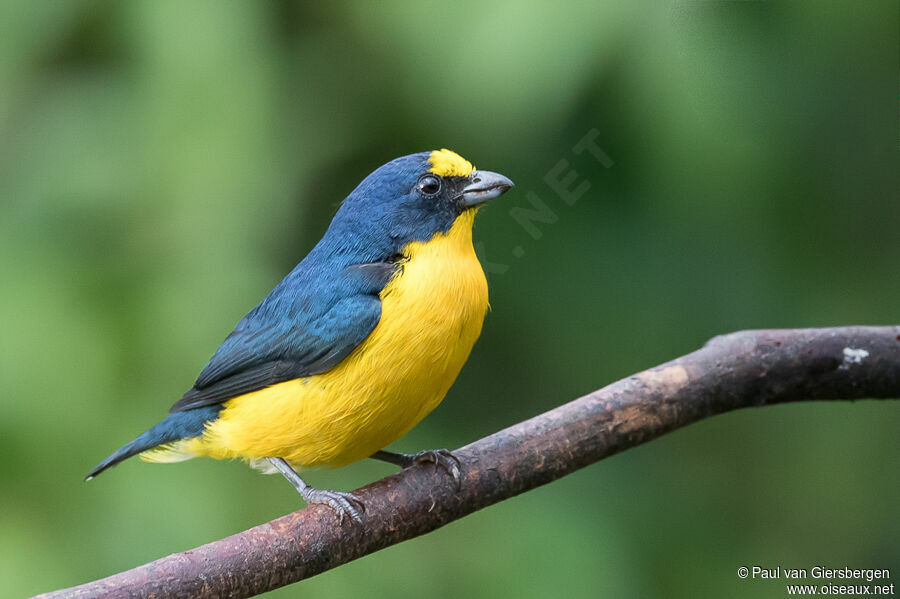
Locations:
column 749, row 368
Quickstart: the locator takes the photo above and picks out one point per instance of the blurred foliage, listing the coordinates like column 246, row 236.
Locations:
column 163, row 164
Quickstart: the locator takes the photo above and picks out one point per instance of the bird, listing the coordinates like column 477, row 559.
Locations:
column 355, row 346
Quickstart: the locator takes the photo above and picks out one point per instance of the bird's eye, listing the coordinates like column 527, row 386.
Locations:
column 429, row 184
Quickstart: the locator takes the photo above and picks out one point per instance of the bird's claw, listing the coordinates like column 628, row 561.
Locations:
column 440, row 458
column 344, row 504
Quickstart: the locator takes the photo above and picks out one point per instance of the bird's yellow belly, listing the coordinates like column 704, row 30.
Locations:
column 431, row 316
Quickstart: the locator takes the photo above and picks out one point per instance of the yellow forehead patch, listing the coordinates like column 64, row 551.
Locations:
column 446, row 163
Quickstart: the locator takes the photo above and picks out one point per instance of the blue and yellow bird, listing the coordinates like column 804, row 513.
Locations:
column 356, row 345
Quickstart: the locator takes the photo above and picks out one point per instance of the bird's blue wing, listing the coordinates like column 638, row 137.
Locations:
column 294, row 339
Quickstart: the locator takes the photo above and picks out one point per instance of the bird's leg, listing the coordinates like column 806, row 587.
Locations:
column 439, row 457
column 342, row 503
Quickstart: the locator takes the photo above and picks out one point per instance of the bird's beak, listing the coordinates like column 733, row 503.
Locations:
column 484, row 186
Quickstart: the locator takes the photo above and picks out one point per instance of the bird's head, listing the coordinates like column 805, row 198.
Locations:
column 415, row 197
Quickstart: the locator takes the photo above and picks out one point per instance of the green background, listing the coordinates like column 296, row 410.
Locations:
column 163, row 164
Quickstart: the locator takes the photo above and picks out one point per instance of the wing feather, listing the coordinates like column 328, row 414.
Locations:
column 273, row 345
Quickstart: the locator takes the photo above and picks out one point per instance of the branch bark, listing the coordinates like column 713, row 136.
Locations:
column 749, row 368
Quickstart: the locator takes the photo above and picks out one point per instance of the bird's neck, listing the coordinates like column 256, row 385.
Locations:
column 349, row 243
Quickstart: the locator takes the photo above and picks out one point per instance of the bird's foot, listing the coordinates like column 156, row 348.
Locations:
column 441, row 458
column 344, row 504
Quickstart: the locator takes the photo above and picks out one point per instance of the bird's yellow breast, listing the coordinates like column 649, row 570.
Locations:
column 431, row 315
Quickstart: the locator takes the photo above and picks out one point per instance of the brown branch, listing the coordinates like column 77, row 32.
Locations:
column 750, row 368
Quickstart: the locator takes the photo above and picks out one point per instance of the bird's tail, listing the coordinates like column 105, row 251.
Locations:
column 176, row 426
